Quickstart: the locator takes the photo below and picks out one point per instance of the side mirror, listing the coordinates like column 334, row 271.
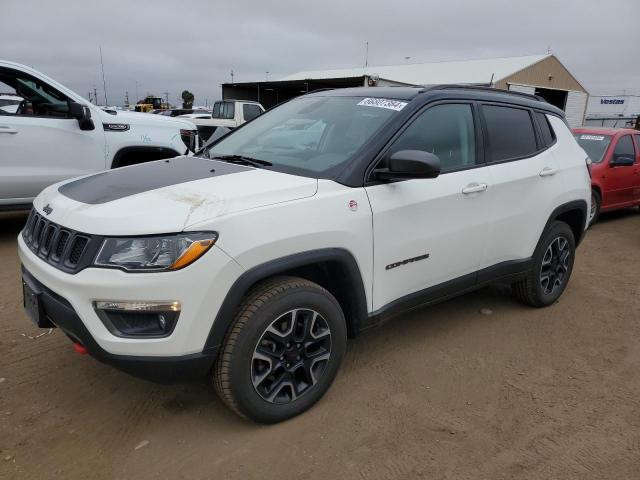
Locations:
column 408, row 164
column 621, row 161
column 82, row 114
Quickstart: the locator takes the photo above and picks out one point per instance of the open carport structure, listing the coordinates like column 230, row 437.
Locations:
column 542, row 75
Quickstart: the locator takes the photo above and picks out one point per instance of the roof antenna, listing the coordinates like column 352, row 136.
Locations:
column 491, row 81
column 366, row 56
column 104, row 83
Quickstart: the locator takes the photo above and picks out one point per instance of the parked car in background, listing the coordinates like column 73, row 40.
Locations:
column 203, row 114
column 228, row 113
column 326, row 216
column 55, row 134
column 615, row 167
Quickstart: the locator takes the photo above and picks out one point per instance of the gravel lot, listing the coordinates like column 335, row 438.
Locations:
column 446, row 392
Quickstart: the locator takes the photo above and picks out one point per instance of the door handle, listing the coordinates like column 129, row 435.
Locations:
column 475, row 188
column 548, row 171
column 7, row 129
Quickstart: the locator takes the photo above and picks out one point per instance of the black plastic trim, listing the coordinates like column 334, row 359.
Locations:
column 241, row 286
column 505, row 271
column 580, row 205
column 158, row 369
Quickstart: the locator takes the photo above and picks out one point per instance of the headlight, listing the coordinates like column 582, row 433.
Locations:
column 157, row 253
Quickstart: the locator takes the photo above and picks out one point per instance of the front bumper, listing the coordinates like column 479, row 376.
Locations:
column 200, row 288
column 59, row 312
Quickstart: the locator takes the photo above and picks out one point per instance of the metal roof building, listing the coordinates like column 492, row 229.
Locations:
column 542, row 75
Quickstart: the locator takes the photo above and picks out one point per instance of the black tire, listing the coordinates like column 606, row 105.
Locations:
column 270, row 305
column 533, row 290
column 596, row 201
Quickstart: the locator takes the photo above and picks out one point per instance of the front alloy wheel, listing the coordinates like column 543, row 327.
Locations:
column 283, row 350
column 291, row 355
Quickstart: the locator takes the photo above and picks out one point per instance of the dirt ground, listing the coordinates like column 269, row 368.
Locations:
column 446, row 392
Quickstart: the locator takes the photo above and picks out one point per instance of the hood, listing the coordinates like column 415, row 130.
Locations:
column 146, row 119
column 166, row 196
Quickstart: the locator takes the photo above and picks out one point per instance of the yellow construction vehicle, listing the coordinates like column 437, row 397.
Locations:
column 150, row 103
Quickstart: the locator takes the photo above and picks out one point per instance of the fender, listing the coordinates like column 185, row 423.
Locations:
column 146, row 153
column 356, row 306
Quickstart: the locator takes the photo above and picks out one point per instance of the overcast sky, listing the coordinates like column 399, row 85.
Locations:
column 194, row 44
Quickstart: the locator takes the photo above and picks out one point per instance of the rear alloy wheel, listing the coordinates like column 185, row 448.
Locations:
column 283, row 350
column 552, row 267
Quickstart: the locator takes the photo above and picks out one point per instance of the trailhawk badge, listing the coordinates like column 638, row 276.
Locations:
column 353, row 205
column 47, row 209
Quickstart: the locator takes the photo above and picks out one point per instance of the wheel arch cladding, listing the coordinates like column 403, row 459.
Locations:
column 573, row 214
column 334, row 269
column 134, row 155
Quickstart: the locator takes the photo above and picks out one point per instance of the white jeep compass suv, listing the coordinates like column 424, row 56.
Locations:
column 254, row 261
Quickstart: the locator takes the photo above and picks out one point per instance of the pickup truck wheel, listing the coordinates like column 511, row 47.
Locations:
column 552, row 267
column 283, row 350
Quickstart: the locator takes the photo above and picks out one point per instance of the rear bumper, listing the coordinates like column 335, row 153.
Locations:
column 61, row 314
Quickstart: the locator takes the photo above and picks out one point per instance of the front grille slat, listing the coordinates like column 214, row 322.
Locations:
column 62, row 248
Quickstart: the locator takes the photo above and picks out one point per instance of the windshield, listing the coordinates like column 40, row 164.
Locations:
column 594, row 145
column 312, row 136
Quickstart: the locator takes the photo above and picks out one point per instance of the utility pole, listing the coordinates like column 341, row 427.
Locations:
column 95, row 95
column 266, row 76
column 232, row 75
column 137, row 97
column 166, row 96
column 90, row 101
column 126, row 98
column 104, row 83
column 406, row 59
column 366, row 56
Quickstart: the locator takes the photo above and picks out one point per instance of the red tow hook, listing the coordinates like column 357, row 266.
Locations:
column 81, row 349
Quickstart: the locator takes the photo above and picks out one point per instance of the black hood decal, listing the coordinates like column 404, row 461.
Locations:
column 122, row 182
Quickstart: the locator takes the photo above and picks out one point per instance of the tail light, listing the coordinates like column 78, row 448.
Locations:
column 588, row 162
column 189, row 138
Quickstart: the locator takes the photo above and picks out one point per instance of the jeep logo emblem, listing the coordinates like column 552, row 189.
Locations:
column 47, row 209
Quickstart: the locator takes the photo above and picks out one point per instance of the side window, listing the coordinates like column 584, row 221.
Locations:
column 445, row 130
column 624, row 147
column 250, row 111
column 34, row 98
column 548, row 135
column 509, row 131
column 229, row 110
column 637, row 137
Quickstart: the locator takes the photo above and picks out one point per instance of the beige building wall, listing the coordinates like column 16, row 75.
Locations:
column 548, row 73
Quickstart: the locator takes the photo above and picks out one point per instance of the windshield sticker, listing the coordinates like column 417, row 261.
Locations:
column 383, row 103
column 592, row 137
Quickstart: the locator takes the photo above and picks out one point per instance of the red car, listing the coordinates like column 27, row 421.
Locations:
column 615, row 167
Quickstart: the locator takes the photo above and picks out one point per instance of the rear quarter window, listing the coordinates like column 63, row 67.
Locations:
column 510, row 132
column 548, row 135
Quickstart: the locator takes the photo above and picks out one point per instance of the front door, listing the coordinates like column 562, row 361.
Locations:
column 621, row 180
column 430, row 231
column 40, row 144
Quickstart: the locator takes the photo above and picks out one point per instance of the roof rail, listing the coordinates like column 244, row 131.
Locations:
column 486, row 89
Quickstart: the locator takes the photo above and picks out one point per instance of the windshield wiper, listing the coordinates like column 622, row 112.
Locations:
column 254, row 162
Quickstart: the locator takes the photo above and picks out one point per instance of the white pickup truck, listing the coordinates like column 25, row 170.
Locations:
column 55, row 134
column 226, row 113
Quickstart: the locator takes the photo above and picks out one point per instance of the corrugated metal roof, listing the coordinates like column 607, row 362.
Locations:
column 464, row 71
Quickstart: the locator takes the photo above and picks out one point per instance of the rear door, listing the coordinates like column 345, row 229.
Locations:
column 622, row 181
column 526, row 181
column 430, row 231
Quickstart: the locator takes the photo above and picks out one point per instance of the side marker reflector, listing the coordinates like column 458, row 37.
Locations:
column 81, row 349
